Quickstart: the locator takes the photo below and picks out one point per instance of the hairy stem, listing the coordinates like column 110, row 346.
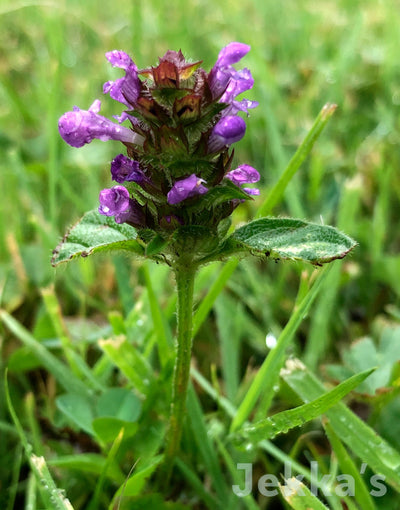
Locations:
column 185, row 276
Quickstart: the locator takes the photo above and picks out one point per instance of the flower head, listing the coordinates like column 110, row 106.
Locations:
column 180, row 123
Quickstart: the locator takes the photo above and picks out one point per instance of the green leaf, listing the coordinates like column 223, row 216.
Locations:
column 220, row 194
column 364, row 353
column 78, row 408
column 89, row 463
column 348, row 467
column 129, row 361
column 356, row 434
column 268, row 374
column 96, row 233
column 135, row 483
column 119, row 403
column 108, row 428
column 287, row 238
column 299, row 496
column 286, row 420
column 64, row 376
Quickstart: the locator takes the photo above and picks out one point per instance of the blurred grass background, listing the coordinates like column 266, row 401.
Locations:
column 303, row 55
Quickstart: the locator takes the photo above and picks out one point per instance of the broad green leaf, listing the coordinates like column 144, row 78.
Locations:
column 96, row 233
column 299, row 496
column 108, row 428
column 286, row 420
column 364, row 353
column 119, row 403
column 89, row 463
column 78, row 409
column 135, row 483
column 356, row 434
column 287, row 238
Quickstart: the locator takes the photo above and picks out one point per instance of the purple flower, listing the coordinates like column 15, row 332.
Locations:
column 82, row 126
column 227, row 130
column 240, row 106
column 186, row 188
column 124, row 90
column 113, row 201
column 245, row 174
column 232, row 53
column 223, row 72
column 125, row 169
column 239, row 82
column 119, row 59
column 133, row 215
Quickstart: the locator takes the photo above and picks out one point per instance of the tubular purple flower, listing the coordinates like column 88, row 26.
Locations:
column 240, row 106
column 133, row 215
column 245, row 174
column 113, row 201
column 186, row 188
column 228, row 130
column 239, row 82
column 119, row 59
column 124, row 90
column 222, row 73
column 80, row 127
column 125, row 169
column 232, row 53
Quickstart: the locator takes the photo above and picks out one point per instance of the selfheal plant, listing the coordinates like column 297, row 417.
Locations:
column 177, row 188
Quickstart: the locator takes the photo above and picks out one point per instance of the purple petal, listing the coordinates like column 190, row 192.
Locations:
column 114, row 89
column 186, row 188
column 80, row 127
column 239, row 82
column 134, row 215
column 240, row 106
column 113, row 201
column 126, row 169
column 120, row 59
column 228, row 130
column 243, row 174
column 131, row 85
column 232, row 53
column 252, row 191
column 125, row 90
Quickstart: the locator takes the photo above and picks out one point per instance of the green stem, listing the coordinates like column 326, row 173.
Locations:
column 185, row 276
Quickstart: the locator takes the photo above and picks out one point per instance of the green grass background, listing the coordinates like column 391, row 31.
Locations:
column 303, row 55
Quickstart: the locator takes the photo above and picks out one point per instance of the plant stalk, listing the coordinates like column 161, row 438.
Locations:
column 185, row 276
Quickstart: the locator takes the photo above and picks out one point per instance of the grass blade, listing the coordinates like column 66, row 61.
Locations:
column 65, row 377
column 300, row 497
column 361, row 439
column 269, row 370
column 276, row 193
column 52, row 497
column 286, row 420
column 347, row 465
